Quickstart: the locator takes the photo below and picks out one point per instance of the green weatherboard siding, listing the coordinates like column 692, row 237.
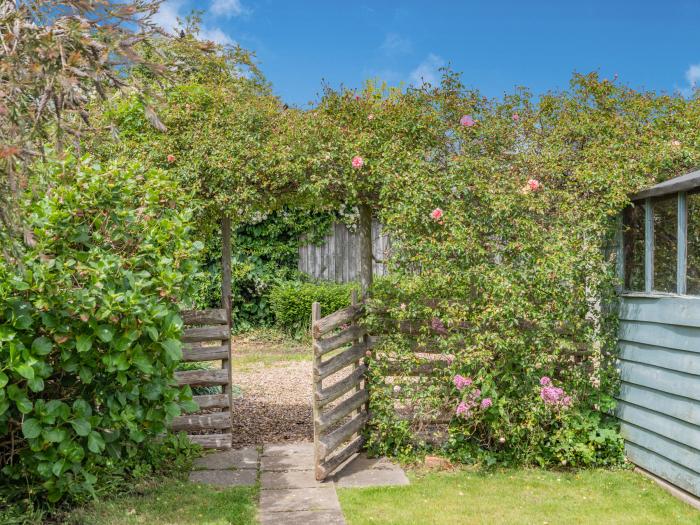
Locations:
column 659, row 396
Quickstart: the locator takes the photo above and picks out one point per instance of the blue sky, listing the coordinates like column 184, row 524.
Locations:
column 496, row 44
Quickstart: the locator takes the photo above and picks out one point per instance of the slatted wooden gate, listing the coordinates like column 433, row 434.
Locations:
column 207, row 337
column 339, row 399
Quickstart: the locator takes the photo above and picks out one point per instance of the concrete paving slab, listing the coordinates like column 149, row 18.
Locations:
column 242, row 458
column 287, row 500
column 291, row 462
column 287, row 449
column 225, row 478
column 362, row 471
column 304, row 517
column 291, row 479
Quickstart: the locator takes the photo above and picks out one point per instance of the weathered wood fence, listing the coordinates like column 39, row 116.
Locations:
column 340, row 393
column 207, row 338
column 337, row 258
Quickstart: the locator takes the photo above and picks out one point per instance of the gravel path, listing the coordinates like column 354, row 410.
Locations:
column 275, row 405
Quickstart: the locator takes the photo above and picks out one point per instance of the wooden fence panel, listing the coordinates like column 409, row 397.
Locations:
column 207, row 337
column 337, row 257
column 338, row 425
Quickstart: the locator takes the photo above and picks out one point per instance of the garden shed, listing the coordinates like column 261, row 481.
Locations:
column 659, row 263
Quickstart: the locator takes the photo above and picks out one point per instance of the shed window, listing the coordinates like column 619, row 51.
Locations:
column 634, row 248
column 665, row 243
column 693, row 272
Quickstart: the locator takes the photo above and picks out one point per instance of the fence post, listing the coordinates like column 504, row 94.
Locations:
column 365, row 245
column 315, row 316
column 226, row 304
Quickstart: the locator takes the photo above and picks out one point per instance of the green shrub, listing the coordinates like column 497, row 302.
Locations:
column 291, row 302
column 89, row 328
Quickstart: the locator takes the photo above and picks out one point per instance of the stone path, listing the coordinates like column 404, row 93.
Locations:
column 290, row 494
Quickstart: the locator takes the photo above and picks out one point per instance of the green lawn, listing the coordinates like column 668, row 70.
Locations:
column 518, row 497
column 173, row 503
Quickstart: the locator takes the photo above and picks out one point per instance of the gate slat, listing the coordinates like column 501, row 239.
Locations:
column 343, row 409
column 204, row 353
column 326, row 467
column 332, row 440
column 340, row 361
column 323, row 346
column 202, row 422
column 326, row 395
column 206, row 333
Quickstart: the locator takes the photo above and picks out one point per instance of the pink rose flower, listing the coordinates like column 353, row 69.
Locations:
column 357, row 162
column 676, row 143
column 171, row 158
column 516, row 117
column 486, row 402
column 545, row 381
column 533, row 184
column 436, row 214
column 467, row 121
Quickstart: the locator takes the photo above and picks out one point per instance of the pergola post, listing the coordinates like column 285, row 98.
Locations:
column 365, row 245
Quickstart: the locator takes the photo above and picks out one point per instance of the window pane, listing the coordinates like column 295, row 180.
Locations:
column 693, row 281
column 665, row 243
column 633, row 240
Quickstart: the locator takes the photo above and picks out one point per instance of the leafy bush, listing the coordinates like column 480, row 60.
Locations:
column 291, row 302
column 89, row 327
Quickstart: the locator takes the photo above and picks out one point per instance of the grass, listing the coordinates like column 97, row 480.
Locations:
column 268, row 347
column 518, row 497
column 173, row 503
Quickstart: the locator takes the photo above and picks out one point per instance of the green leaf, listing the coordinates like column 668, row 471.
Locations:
column 42, row 346
column 81, row 408
column 105, row 333
column 173, row 348
column 95, row 442
column 24, row 405
column 31, row 428
column 3, row 379
column 86, row 375
column 4, row 405
column 58, row 467
column 6, row 333
column 152, row 332
column 35, row 384
column 81, row 426
column 25, row 370
column 83, row 343
column 55, row 435
column 23, row 322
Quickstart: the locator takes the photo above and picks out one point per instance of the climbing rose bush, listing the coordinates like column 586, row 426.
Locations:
column 502, row 265
column 89, row 328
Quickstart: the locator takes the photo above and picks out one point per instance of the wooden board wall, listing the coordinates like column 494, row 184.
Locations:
column 337, row 258
column 659, row 399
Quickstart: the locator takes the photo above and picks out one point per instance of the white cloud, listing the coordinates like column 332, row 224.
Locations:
column 228, row 8
column 216, row 35
column 427, row 71
column 692, row 75
column 167, row 18
column 167, row 15
column 395, row 44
